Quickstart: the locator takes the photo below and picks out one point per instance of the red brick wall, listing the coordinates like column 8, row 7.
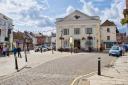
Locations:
column 40, row 40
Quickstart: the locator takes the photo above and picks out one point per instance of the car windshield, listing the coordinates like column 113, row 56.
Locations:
column 115, row 48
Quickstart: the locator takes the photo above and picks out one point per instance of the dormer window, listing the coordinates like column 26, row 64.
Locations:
column 77, row 17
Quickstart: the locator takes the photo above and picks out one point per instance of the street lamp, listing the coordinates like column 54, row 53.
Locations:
column 25, row 48
column 71, row 42
column 97, row 45
column 89, row 42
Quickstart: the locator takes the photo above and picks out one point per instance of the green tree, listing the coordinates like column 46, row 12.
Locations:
column 124, row 21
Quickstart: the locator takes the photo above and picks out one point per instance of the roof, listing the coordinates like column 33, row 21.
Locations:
column 108, row 23
column 18, row 35
column 81, row 13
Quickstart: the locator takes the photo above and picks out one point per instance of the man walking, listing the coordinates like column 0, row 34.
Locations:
column 19, row 52
column 14, row 51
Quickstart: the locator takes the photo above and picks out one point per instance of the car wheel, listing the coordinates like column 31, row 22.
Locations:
column 118, row 56
column 109, row 54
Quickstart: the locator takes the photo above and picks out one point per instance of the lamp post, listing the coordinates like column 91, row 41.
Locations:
column 25, row 48
column 97, row 45
column 89, row 43
column 71, row 43
column 16, row 63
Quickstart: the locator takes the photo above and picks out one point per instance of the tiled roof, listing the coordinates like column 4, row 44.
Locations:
column 108, row 23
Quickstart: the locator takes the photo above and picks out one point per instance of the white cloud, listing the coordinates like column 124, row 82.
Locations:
column 70, row 9
column 27, row 12
column 114, row 12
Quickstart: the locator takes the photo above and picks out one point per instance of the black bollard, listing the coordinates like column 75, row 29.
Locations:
column 99, row 66
column 16, row 63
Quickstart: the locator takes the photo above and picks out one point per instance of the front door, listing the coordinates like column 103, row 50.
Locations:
column 77, row 43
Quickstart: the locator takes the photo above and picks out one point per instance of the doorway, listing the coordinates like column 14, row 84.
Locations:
column 77, row 43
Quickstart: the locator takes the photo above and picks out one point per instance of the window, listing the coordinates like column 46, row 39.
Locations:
column 108, row 37
column 76, row 31
column 108, row 29
column 66, row 43
column 88, row 30
column 66, row 31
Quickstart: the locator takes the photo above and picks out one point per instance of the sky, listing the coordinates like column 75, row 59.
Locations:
column 40, row 15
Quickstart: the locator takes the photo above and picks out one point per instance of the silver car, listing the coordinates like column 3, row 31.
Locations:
column 115, row 51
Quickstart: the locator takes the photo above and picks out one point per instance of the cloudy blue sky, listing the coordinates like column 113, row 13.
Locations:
column 40, row 15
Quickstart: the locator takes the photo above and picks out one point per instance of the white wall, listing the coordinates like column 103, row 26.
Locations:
column 112, row 33
column 5, row 24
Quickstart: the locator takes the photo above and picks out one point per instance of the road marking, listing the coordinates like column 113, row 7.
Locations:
column 92, row 73
column 89, row 74
column 113, row 61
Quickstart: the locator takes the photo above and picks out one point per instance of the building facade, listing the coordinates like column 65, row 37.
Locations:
column 84, row 31
column 6, row 31
column 108, row 34
column 121, row 37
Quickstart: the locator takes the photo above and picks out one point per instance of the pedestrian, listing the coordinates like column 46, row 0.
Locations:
column 8, row 52
column 14, row 51
column 19, row 52
column 41, row 49
column 4, row 51
column 0, row 50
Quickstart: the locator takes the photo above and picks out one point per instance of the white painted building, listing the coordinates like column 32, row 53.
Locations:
column 6, row 31
column 84, row 30
column 108, row 34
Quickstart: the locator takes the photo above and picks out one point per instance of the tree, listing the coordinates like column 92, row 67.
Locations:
column 124, row 21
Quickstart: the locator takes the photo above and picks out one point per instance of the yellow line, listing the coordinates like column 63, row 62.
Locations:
column 112, row 61
column 81, row 77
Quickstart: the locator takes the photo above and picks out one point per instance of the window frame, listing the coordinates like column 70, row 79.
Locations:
column 108, row 37
column 76, row 31
column 108, row 29
column 89, row 32
column 65, row 31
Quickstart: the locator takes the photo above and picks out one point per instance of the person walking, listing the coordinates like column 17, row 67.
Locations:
column 14, row 51
column 41, row 50
column 4, row 51
column 7, row 51
column 19, row 52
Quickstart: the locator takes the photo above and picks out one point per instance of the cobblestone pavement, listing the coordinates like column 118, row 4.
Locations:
column 60, row 71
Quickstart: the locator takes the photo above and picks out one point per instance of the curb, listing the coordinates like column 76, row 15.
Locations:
column 76, row 80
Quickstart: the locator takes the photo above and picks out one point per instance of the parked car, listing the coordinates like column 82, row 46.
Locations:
column 44, row 48
column 115, row 51
column 36, row 48
column 125, row 46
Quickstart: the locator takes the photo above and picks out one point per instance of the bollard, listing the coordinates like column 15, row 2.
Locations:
column 52, row 51
column 99, row 66
column 16, row 63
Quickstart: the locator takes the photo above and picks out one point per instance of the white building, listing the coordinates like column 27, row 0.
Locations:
column 108, row 34
column 84, row 30
column 6, row 33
